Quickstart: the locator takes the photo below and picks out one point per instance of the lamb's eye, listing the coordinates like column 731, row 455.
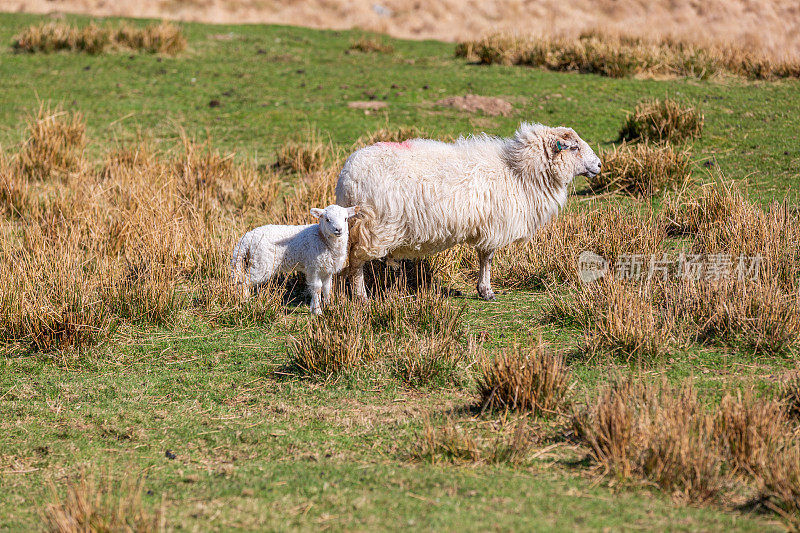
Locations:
column 575, row 148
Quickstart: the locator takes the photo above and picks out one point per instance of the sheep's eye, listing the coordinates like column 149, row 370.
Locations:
column 575, row 148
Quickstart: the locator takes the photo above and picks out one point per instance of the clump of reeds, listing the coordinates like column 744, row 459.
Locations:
column 101, row 505
column 693, row 207
column 759, row 316
column 54, row 145
column 620, row 56
column 658, row 433
column 598, row 53
column 303, row 157
column 371, row 45
column 524, row 378
column 552, row 255
column 165, row 38
column 420, row 340
column 452, row 443
column 340, row 340
column 789, row 396
column 662, row 120
column 642, row 169
column 619, row 318
column 749, row 430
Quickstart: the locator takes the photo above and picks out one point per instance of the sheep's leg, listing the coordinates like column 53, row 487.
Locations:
column 327, row 287
column 484, row 280
column 357, row 281
column 315, row 288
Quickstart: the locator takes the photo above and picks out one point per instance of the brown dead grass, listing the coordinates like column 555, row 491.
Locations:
column 749, row 430
column 101, row 505
column 419, row 340
column 618, row 56
column 552, row 254
column 765, row 27
column 620, row 319
column 528, row 378
column 55, row 143
column 162, row 38
column 662, row 120
column 643, row 169
column 658, row 433
column 371, row 45
column 454, row 443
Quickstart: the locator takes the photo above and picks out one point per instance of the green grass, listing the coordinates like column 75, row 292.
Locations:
column 258, row 450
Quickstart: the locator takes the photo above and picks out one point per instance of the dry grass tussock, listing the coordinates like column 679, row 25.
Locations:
column 101, row 505
column 524, row 378
column 143, row 238
column 661, row 433
column 759, row 317
column 692, row 207
column 621, row 56
column 420, row 340
column 453, row 443
column 662, row 120
column 749, row 430
column 658, row 433
column 789, row 394
column 643, row 169
column 162, row 38
column 627, row 321
column 55, row 141
column 371, row 45
column 552, row 254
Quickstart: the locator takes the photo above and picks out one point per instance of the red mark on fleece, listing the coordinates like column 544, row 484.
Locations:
column 405, row 145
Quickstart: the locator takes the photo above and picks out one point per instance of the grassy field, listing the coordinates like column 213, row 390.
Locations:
column 222, row 436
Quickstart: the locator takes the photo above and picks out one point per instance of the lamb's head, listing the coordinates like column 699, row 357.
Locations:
column 333, row 219
column 559, row 152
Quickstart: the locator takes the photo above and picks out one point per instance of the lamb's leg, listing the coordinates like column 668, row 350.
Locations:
column 484, row 281
column 315, row 288
column 327, row 287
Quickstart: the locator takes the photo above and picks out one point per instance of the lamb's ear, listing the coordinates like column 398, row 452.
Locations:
column 353, row 211
column 317, row 212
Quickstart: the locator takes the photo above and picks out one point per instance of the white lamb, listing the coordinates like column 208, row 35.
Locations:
column 420, row 197
column 318, row 250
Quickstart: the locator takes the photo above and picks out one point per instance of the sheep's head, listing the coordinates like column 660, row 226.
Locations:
column 333, row 219
column 571, row 155
column 555, row 152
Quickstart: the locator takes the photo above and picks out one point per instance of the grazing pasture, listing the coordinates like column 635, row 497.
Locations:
column 137, row 388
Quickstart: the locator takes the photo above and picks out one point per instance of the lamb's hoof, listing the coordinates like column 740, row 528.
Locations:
column 316, row 311
column 486, row 293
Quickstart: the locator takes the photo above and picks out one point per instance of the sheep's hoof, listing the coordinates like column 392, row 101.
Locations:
column 486, row 293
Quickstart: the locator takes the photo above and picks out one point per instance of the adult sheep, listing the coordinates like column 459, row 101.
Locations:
column 421, row 196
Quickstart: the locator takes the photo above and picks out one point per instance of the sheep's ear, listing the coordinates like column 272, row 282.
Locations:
column 564, row 144
column 353, row 211
column 317, row 212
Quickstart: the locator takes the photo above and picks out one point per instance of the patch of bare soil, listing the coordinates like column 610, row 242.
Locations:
column 473, row 103
column 367, row 105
